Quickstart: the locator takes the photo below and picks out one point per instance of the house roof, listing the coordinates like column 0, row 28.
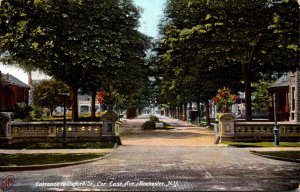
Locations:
column 282, row 82
column 8, row 78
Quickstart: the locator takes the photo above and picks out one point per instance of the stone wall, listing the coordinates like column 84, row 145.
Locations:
column 298, row 95
column 263, row 131
column 231, row 130
column 53, row 131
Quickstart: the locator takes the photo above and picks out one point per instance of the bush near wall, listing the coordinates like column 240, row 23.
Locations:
column 148, row 125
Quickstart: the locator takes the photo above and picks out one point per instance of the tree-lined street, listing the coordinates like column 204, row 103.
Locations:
column 153, row 163
column 207, row 55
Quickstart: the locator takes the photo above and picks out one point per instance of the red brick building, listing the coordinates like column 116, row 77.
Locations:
column 287, row 93
column 12, row 91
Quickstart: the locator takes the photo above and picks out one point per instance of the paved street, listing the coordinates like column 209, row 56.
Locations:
column 182, row 159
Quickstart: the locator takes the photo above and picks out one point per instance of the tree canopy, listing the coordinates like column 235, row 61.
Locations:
column 46, row 94
column 230, row 42
column 73, row 41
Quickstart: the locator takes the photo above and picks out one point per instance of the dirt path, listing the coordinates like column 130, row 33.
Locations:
column 184, row 134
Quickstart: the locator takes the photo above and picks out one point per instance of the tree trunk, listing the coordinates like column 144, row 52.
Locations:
column 180, row 112
column 174, row 112
column 207, row 113
column 184, row 112
column 199, row 111
column 247, row 88
column 190, row 106
column 93, row 107
column 74, row 103
column 135, row 112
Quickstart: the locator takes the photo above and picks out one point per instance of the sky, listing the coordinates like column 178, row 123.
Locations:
column 152, row 12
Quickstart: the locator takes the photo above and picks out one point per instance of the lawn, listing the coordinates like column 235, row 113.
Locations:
column 261, row 144
column 42, row 159
column 293, row 155
column 56, row 145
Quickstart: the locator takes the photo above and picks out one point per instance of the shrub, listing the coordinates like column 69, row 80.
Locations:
column 22, row 111
column 154, row 118
column 148, row 125
column 37, row 112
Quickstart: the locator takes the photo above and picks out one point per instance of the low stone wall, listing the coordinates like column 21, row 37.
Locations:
column 53, row 131
column 231, row 130
column 263, row 131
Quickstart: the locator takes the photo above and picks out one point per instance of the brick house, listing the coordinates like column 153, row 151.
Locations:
column 287, row 94
column 12, row 91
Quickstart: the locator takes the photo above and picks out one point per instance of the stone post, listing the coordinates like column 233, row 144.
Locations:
column 110, row 128
column 5, row 129
column 226, row 126
column 5, row 125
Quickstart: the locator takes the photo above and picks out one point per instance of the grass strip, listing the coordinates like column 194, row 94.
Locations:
column 43, row 159
column 261, row 144
column 294, row 155
column 56, row 145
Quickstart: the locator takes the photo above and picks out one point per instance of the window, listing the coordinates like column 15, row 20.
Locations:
column 84, row 108
column 293, row 99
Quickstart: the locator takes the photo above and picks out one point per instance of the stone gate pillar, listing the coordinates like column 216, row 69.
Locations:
column 226, row 126
column 5, row 129
column 110, row 128
column 5, row 125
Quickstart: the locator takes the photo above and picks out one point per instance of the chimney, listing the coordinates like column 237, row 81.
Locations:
column 29, row 78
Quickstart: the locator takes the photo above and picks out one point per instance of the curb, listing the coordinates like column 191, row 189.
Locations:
column 275, row 158
column 48, row 166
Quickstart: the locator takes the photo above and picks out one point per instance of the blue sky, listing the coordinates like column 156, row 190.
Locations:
column 153, row 11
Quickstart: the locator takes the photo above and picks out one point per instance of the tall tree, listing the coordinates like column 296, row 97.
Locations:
column 46, row 94
column 188, row 55
column 67, row 39
column 247, row 39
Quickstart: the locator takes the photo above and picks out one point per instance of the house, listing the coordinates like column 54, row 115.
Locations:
column 12, row 91
column 84, row 100
column 287, row 97
column 85, row 103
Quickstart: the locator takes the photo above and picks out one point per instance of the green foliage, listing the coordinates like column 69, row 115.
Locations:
column 42, row 159
column 90, row 44
column 37, row 112
column 148, row 125
column 58, row 145
column 291, row 155
column 154, row 118
column 261, row 100
column 210, row 44
column 22, row 111
column 262, row 144
column 46, row 94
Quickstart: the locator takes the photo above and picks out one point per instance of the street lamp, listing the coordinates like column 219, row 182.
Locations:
column 275, row 130
column 65, row 95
